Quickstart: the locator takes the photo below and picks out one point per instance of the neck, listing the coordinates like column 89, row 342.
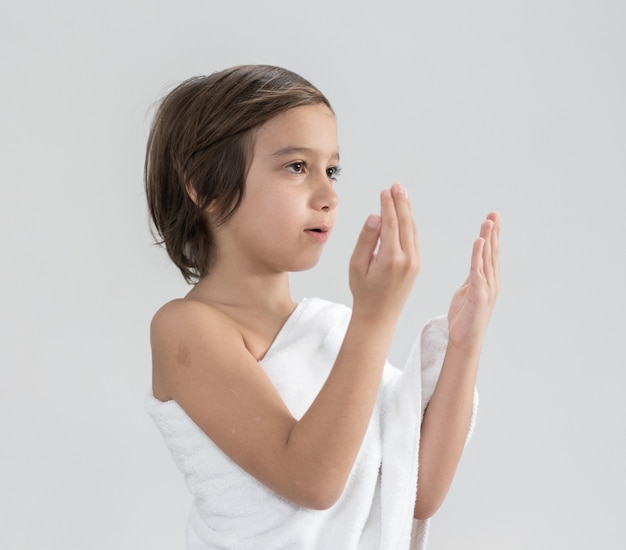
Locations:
column 245, row 290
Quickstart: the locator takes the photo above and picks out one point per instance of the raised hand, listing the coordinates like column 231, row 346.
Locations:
column 381, row 279
column 473, row 303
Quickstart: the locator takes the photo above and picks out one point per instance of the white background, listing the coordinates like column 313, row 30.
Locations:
column 517, row 106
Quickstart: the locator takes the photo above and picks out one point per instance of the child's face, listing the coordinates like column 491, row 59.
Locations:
column 289, row 204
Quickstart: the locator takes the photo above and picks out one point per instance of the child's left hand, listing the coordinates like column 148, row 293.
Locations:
column 473, row 303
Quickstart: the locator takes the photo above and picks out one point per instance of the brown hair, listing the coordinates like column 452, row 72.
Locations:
column 200, row 145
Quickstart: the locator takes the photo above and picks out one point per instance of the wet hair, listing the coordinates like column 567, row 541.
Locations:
column 199, row 151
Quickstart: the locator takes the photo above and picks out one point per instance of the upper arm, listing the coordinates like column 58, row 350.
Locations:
column 200, row 360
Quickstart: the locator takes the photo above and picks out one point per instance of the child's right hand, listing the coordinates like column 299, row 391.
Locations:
column 381, row 280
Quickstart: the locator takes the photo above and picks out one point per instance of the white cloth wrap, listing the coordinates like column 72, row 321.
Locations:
column 231, row 510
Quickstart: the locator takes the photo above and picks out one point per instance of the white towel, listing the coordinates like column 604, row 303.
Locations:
column 233, row 511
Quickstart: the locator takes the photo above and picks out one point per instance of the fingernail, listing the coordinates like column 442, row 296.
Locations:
column 399, row 188
column 372, row 221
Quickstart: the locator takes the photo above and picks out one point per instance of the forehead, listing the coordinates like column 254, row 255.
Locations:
column 308, row 127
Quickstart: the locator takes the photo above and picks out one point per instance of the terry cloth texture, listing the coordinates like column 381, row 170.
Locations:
column 231, row 510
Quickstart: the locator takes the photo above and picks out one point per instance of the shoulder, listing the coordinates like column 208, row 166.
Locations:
column 182, row 329
column 188, row 316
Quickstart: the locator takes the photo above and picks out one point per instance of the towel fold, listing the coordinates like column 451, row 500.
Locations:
column 231, row 510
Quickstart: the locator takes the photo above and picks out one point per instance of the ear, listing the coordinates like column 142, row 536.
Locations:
column 193, row 195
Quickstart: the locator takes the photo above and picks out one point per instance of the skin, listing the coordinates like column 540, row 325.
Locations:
column 206, row 347
column 447, row 417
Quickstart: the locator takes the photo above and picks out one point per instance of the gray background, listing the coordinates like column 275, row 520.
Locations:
column 517, row 106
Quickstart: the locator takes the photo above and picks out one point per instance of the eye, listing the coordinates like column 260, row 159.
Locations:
column 333, row 172
column 296, row 167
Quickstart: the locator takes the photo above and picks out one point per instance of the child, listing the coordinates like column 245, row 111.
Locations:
column 289, row 426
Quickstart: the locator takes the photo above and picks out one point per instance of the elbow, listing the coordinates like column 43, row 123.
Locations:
column 426, row 508
column 424, row 512
column 321, row 502
column 319, row 495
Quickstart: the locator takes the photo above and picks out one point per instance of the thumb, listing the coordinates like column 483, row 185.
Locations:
column 366, row 244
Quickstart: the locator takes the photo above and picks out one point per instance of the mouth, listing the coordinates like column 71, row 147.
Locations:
column 320, row 234
column 319, row 229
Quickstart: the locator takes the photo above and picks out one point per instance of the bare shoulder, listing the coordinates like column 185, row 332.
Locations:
column 178, row 331
column 182, row 315
column 200, row 360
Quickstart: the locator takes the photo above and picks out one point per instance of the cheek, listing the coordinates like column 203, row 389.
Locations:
column 280, row 206
column 270, row 205
column 264, row 214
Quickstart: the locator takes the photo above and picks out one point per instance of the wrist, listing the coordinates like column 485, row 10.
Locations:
column 373, row 326
column 467, row 354
column 373, row 317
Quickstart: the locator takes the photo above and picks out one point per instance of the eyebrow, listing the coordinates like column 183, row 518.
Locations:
column 286, row 151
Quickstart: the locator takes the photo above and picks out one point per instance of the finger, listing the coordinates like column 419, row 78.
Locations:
column 407, row 231
column 389, row 241
column 486, row 230
column 366, row 244
column 495, row 250
column 494, row 245
column 494, row 217
column 476, row 267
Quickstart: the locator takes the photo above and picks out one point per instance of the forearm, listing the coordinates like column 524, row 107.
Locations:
column 327, row 438
column 444, row 429
column 324, row 443
column 446, row 420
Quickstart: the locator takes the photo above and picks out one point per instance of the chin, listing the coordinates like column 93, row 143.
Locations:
column 304, row 265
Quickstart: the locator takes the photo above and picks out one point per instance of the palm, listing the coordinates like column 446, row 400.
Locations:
column 472, row 304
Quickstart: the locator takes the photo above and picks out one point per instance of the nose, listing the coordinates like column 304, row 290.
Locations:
column 324, row 196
